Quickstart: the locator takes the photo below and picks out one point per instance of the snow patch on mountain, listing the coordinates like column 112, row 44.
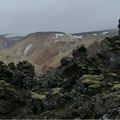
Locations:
column 78, row 37
column 106, row 32
column 94, row 34
column 6, row 44
column 14, row 35
column 27, row 49
column 59, row 35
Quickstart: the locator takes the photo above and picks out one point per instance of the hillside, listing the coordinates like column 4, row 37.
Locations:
column 82, row 87
column 45, row 49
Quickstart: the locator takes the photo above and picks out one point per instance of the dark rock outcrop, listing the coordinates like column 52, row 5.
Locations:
column 81, row 88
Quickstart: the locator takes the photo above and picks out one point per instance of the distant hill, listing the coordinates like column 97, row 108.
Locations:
column 109, row 32
column 45, row 49
column 7, row 41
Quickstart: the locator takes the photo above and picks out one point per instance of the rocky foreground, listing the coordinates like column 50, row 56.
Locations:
column 80, row 88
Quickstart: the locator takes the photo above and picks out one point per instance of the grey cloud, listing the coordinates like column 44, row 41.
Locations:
column 26, row 16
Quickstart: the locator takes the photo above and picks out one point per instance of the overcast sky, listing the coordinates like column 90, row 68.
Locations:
column 26, row 16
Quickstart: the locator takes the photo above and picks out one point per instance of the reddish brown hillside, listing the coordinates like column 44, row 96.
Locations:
column 46, row 49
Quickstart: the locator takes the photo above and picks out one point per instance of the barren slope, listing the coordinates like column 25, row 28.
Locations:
column 45, row 49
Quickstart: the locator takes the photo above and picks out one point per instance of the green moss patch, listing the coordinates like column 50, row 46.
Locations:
column 6, row 85
column 93, row 87
column 35, row 95
column 92, row 81
column 116, row 87
column 56, row 91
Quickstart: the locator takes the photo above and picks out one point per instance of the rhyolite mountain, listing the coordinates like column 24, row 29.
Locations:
column 83, row 86
column 45, row 49
column 7, row 41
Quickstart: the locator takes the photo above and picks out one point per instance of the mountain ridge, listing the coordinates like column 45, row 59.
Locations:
column 84, row 87
column 45, row 49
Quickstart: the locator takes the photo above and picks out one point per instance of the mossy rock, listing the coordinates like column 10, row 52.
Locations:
column 116, row 87
column 116, row 96
column 35, row 95
column 1, row 88
column 92, row 82
column 92, row 79
column 94, row 87
column 114, row 76
column 6, row 85
column 56, row 91
column 88, row 82
column 64, row 114
column 109, row 84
